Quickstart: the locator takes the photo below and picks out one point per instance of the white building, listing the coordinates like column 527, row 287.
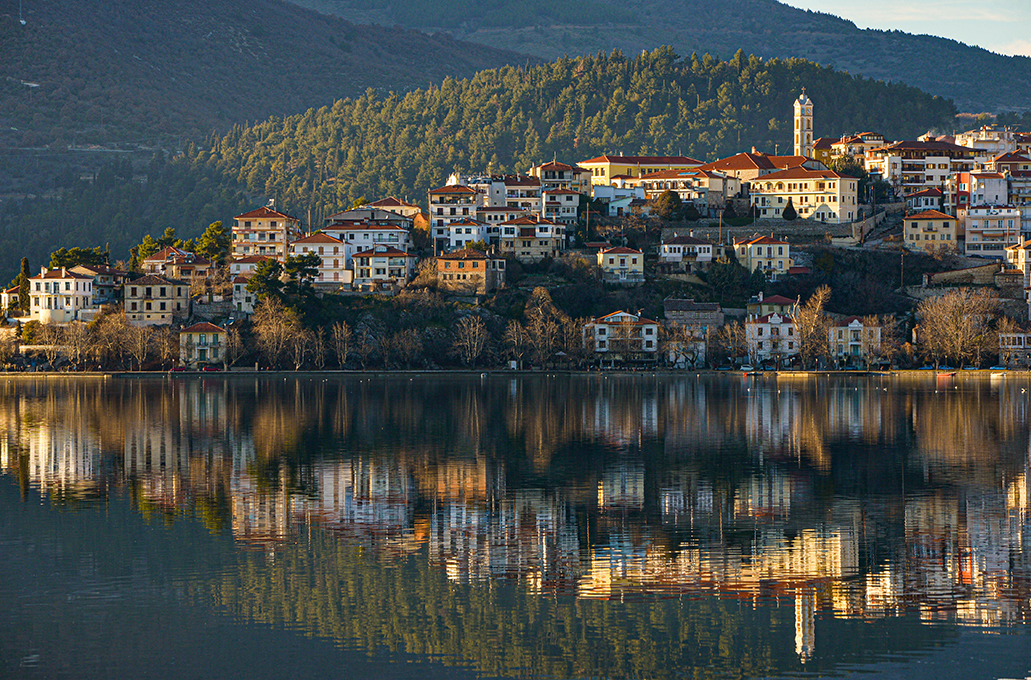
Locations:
column 383, row 267
column 851, row 340
column 333, row 272
column 363, row 236
column 771, row 338
column 990, row 230
column 451, row 203
column 821, row 195
column 60, row 296
column 622, row 336
column 561, row 205
column 686, row 252
column 463, row 232
column 243, row 299
column 247, row 265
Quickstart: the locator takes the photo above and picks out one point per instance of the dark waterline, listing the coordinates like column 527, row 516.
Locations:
column 564, row 526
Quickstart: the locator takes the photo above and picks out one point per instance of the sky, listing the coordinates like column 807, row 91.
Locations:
column 997, row 25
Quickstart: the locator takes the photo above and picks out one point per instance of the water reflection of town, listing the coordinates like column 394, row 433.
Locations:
column 865, row 499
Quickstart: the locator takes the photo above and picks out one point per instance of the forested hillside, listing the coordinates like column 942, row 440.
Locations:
column 976, row 79
column 503, row 120
column 81, row 71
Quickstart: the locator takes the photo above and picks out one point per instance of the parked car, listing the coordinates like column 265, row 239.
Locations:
column 212, row 368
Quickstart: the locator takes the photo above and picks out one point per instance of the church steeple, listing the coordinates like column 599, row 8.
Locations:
column 804, row 126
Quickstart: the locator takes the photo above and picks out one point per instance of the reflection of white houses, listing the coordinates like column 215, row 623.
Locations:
column 771, row 337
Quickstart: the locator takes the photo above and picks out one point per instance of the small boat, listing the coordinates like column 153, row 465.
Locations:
column 946, row 374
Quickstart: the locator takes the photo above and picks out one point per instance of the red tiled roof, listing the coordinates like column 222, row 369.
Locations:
column 318, row 238
column 620, row 250
column 640, row 319
column 930, row 215
column 766, row 318
column 463, row 254
column 645, row 160
column 252, row 259
column 154, row 280
column 926, row 192
column 777, row 300
column 265, row 213
column 203, row 327
column 60, row 274
column 165, row 253
column 387, row 251
column 453, row 189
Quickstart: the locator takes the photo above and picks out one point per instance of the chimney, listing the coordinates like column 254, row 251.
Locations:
column 753, row 150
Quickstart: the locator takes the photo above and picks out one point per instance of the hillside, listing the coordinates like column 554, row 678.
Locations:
column 976, row 79
column 124, row 71
column 503, row 119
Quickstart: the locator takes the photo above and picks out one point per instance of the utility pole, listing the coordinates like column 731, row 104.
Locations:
column 902, row 274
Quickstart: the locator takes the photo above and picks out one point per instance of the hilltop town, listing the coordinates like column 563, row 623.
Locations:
column 852, row 252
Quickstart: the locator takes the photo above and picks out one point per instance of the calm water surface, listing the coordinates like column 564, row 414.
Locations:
column 497, row 526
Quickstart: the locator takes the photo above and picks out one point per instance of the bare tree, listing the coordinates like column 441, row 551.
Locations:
column 298, row 345
column 233, row 349
column 811, row 326
column 572, row 341
column 272, row 326
column 1007, row 352
column 77, row 339
column 470, row 339
column 408, row 344
column 137, row 342
column 387, row 345
column 364, row 346
column 958, row 325
column 728, row 342
column 342, row 338
column 8, row 346
column 679, row 344
column 318, row 348
column 515, row 338
column 50, row 337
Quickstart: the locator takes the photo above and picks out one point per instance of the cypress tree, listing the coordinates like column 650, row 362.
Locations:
column 23, row 285
column 789, row 212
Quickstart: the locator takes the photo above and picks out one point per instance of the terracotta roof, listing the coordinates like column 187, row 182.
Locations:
column 252, row 259
column 453, row 189
column 555, row 165
column 203, row 327
column 466, row 222
column 777, row 300
column 1011, row 158
column 317, row 238
column 747, row 161
column 463, row 254
column 926, row 192
column 266, row 213
column 60, row 274
column 387, row 251
column 913, row 145
column 799, row 270
column 823, row 143
column 552, row 192
column 930, row 215
column 520, row 181
column 12, row 291
column 365, row 227
column 242, row 278
column 165, row 253
column 620, row 250
column 645, row 160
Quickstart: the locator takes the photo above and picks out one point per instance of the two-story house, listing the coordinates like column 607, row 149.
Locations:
column 771, row 338
column 686, row 253
column 333, row 272
column 621, row 265
column 930, row 230
column 531, row 239
column 107, row 281
column 383, row 267
column 770, row 255
column 202, row 344
column 851, row 340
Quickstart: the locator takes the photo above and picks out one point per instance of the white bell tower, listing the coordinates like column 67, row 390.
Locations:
column 804, row 126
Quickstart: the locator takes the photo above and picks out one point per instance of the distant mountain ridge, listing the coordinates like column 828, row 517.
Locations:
column 976, row 79
column 83, row 71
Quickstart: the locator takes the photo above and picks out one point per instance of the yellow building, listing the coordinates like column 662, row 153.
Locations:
column 821, row 195
column 621, row 265
column 605, row 168
column 765, row 253
column 202, row 343
column 930, row 230
column 264, row 231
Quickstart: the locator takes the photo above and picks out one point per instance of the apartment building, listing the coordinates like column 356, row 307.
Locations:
column 264, row 231
column 821, row 195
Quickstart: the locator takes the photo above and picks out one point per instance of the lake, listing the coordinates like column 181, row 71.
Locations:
column 559, row 526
